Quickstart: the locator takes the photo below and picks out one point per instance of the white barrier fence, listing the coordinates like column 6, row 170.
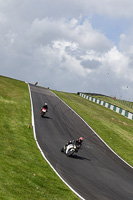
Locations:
column 126, row 113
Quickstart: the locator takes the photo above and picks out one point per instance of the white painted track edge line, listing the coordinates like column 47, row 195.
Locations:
column 33, row 125
column 95, row 132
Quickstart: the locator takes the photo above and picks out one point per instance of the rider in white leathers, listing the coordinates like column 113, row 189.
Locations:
column 77, row 142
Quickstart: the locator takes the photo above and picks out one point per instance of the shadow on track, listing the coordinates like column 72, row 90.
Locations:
column 79, row 157
column 45, row 117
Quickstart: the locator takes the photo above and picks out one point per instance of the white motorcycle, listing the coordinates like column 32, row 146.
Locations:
column 70, row 149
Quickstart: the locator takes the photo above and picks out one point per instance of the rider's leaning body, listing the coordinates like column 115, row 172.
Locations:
column 77, row 142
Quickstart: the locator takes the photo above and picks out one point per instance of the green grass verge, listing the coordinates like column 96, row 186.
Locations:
column 115, row 129
column 24, row 174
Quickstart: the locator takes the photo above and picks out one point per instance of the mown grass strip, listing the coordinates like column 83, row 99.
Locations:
column 24, row 174
column 113, row 128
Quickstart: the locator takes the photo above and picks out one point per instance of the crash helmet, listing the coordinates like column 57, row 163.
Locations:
column 45, row 104
column 81, row 139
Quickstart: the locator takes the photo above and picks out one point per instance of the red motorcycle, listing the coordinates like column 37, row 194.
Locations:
column 43, row 112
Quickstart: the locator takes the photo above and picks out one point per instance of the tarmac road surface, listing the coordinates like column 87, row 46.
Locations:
column 95, row 172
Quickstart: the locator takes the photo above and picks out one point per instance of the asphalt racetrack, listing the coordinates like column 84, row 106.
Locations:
column 95, row 172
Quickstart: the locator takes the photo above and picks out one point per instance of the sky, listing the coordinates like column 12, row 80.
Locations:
column 69, row 45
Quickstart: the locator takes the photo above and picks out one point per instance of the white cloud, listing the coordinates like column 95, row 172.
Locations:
column 10, row 37
column 116, row 60
column 55, row 43
column 48, row 29
column 67, row 8
column 2, row 18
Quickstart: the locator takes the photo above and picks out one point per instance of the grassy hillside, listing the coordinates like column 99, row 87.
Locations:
column 23, row 171
column 115, row 129
column 24, row 174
